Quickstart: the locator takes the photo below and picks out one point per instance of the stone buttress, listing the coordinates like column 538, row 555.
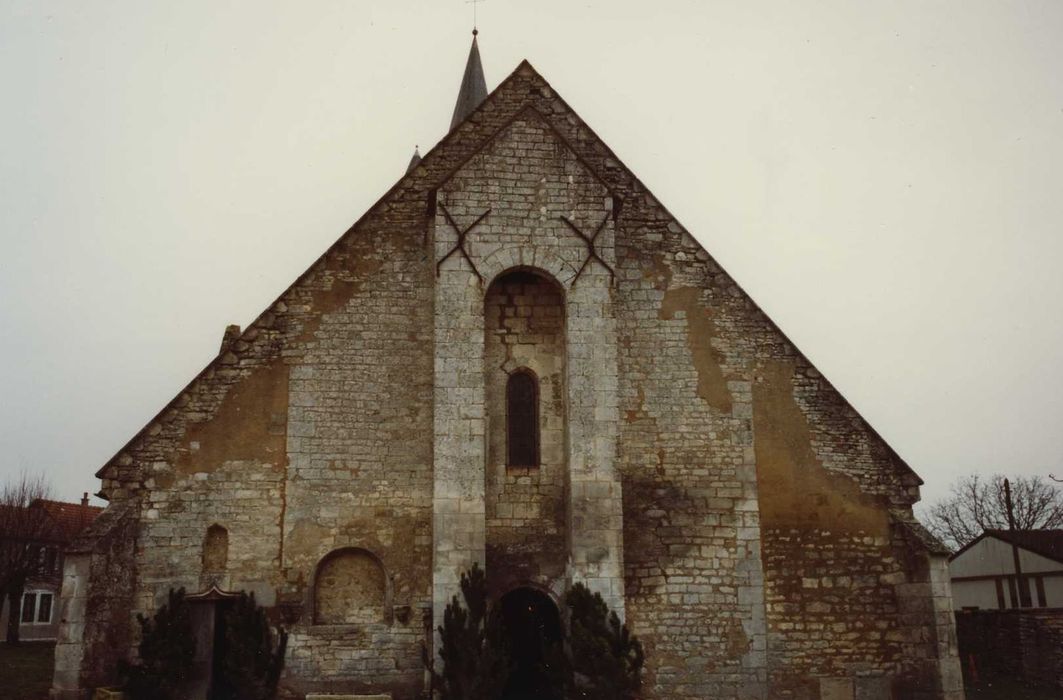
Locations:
column 514, row 206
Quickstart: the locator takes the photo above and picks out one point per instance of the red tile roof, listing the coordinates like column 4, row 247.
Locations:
column 71, row 518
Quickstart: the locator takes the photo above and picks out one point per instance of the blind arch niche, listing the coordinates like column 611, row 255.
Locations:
column 350, row 587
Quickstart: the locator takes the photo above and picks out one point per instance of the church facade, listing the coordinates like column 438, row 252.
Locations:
column 518, row 358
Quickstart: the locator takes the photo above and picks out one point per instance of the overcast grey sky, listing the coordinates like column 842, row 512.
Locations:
column 884, row 179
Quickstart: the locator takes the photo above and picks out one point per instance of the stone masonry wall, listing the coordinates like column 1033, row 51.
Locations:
column 526, row 522
column 753, row 493
column 110, row 592
column 832, row 611
column 513, row 194
column 70, row 642
column 1018, row 643
column 309, row 433
column 360, row 454
column 691, row 527
column 706, row 457
column 97, row 592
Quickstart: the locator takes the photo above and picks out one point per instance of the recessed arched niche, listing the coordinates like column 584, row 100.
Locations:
column 524, row 392
column 350, row 587
column 215, row 550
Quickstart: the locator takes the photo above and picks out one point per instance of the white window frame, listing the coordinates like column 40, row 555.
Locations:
column 37, row 593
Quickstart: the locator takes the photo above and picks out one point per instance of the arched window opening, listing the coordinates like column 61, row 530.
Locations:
column 350, row 588
column 522, row 420
column 215, row 549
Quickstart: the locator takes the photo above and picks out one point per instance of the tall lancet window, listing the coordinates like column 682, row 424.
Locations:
column 522, row 419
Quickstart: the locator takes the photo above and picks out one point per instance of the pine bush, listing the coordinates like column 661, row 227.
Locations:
column 473, row 645
column 247, row 667
column 167, row 649
column 251, row 662
column 605, row 659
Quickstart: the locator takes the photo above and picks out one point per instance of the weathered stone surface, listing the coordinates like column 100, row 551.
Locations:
column 350, row 589
column 695, row 468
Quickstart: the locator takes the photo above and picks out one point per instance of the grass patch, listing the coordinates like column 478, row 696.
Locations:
column 26, row 670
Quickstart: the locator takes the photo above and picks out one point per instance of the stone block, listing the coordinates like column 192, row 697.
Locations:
column 836, row 689
column 872, row 688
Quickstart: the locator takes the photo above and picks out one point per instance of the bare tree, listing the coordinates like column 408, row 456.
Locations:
column 977, row 503
column 23, row 529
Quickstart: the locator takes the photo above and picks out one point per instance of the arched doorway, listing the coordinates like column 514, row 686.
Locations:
column 533, row 627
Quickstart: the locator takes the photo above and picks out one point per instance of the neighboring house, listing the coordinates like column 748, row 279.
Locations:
column 39, row 610
column 983, row 572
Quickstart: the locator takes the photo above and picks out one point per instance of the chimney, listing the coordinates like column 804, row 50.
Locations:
column 83, row 511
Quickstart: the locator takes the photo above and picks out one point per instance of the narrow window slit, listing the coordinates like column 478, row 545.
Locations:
column 522, row 420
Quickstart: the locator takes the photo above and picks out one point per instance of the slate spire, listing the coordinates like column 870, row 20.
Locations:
column 415, row 160
column 473, row 86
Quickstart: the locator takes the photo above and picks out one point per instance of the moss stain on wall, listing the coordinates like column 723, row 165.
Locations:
column 363, row 266
column 795, row 489
column 248, row 425
column 708, row 361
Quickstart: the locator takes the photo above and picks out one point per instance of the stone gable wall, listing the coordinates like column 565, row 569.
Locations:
column 352, row 414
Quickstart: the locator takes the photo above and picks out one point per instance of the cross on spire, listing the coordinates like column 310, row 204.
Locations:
column 474, row 3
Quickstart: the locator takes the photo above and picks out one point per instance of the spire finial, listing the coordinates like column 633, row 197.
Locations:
column 415, row 160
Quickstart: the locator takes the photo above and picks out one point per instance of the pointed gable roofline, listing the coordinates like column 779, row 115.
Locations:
column 522, row 90
column 1045, row 543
